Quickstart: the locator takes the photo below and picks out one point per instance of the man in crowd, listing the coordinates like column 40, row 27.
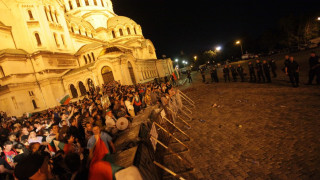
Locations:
column 251, row 72
column 233, row 73
column 314, row 63
column 273, row 66
column 240, row 72
column 226, row 73
column 259, row 70
column 292, row 70
column 266, row 70
column 214, row 74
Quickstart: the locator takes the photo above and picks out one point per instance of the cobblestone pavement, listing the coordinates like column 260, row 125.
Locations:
column 257, row 131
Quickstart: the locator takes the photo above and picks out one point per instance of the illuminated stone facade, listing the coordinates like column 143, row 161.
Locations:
column 50, row 48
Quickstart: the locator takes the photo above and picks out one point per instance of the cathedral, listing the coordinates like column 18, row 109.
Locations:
column 53, row 48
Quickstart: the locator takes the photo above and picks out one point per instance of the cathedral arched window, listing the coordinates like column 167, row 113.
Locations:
column 56, row 16
column 63, row 41
column 113, row 34
column 38, row 39
column 50, row 12
column 30, row 15
column 86, row 33
column 121, row 32
column 78, row 3
column 56, row 40
column 1, row 72
column 86, row 2
column 95, row 2
column 89, row 57
column 102, row 3
column 79, row 31
column 70, row 5
column 94, row 59
column 135, row 31
column 128, row 29
column 46, row 12
column 85, row 59
column 74, row 91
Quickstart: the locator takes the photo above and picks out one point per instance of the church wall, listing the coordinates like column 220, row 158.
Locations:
column 19, row 100
column 16, row 66
column 6, row 39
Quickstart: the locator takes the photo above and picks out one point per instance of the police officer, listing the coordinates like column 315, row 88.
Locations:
column 214, row 74
column 314, row 63
column 234, row 73
column 240, row 72
column 203, row 74
column 189, row 76
column 292, row 70
column 286, row 62
column 266, row 70
column 226, row 74
column 273, row 66
column 259, row 70
column 252, row 72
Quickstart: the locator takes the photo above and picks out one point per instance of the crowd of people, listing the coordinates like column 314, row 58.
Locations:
column 61, row 142
column 261, row 72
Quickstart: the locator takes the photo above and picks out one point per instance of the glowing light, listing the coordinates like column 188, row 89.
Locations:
column 195, row 58
column 218, row 48
column 318, row 18
column 177, row 60
column 238, row 42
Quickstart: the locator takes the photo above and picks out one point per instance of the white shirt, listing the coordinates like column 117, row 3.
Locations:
column 128, row 105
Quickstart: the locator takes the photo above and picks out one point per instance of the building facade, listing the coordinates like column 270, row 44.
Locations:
column 50, row 48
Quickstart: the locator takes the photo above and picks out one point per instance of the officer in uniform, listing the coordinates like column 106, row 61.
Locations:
column 314, row 62
column 252, row 72
column 266, row 70
column 273, row 66
column 226, row 74
column 234, row 73
column 203, row 74
column 259, row 70
column 214, row 74
column 292, row 70
column 240, row 72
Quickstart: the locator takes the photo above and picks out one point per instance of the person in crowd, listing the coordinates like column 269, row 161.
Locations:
column 189, row 76
column 266, row 70
column 314, row 63
column 273, row 66
column 240, row 72
column 214, row 74
column 259, row 69
column 226, row 73
column 292, row 70
column 5, row 168
column 286, row 62
column 233, row 73
column 203, row 74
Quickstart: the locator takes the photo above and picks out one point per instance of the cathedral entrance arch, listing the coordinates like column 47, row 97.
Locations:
column 90, row 84
column 133, row 78
column 82, row 88
column 107, row 74
column 73, row 90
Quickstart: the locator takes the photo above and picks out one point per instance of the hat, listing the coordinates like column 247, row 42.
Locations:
column 28, row 166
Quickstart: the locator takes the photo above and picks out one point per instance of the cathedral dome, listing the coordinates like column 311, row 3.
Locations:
column 121, row 26
column 120, row 20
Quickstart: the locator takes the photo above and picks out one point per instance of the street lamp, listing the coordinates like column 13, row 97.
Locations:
column 195, row 58
column 176, row 60
column 239, row 42
column 218, row 48
column 318, row 18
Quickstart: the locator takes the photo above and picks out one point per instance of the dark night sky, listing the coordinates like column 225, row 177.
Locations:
column 175, row 25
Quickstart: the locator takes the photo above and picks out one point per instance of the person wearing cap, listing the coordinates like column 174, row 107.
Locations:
column 34, row 166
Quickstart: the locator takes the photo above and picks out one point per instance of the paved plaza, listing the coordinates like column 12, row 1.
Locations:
column 255, row 131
